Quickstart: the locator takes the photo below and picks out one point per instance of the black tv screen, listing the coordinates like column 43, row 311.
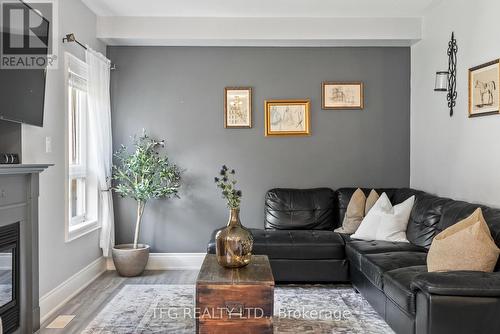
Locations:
column 22, row 90
column 22, row 96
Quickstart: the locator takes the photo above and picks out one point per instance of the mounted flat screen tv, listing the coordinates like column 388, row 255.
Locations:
column 22, row 96
column 22, row 91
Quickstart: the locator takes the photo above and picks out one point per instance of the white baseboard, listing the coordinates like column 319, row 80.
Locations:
column 53, row 300
column 170, row 261
column 56, row 298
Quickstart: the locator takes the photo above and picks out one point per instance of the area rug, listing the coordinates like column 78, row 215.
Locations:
column 145, row 309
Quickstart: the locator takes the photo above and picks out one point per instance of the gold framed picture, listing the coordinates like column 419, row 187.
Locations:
column 238, row 107
column 342, row 95
column 287, row 117
column 484, row 90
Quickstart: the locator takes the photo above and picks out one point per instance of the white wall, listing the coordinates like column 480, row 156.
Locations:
column 458, row 157
column 60, row 260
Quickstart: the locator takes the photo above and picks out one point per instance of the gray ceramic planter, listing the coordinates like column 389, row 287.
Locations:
column 130, row 262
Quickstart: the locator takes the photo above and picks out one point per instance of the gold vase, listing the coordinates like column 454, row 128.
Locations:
column 233, row 244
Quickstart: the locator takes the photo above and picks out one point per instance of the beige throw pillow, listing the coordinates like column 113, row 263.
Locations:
column 467, row 245
column 354, row 213
column 358, row 207
column 371, row 200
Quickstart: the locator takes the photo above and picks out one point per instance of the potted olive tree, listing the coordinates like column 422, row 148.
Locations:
column 142, row 175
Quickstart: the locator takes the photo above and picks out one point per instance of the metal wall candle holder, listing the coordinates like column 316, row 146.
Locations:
column 446, row 81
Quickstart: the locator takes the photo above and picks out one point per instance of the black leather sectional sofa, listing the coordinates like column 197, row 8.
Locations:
column 302, row 247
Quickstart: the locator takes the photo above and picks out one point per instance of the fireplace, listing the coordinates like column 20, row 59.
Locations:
column 19, row 291
column 9, row 277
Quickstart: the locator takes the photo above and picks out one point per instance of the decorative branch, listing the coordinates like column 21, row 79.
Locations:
column 226, row 181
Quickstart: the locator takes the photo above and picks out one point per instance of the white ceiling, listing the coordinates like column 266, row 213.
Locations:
column 260, row 8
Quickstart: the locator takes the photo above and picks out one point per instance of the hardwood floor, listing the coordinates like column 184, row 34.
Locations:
column 87, row 304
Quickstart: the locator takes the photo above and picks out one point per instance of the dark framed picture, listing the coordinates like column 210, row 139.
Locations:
column 287, row 118
column 238, row 107
column 484, row 90
column 342, row 95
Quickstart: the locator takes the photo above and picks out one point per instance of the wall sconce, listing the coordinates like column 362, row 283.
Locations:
column 446, row 81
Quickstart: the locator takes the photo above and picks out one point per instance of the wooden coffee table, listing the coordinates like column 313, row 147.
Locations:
column 235, row 300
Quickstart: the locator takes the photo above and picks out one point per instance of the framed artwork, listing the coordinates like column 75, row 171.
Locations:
column 484, row 90
column 342, row 95
column 287, row 118
column 238, row 107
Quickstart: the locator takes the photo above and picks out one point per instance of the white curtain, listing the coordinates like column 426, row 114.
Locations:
column 99, row 108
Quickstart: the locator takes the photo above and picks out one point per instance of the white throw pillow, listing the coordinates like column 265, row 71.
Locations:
column 369, row 226
column 386, row 222
column 394, row 224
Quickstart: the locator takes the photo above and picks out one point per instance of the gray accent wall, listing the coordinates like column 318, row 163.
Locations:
column 176, row 93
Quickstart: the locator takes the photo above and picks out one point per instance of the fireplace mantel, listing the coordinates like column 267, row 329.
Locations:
column 23, row 168
column 19, row 204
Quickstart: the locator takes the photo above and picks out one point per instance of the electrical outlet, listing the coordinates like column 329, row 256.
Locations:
column 48, row 144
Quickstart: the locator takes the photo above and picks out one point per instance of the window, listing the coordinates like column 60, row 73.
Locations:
column 81, row 183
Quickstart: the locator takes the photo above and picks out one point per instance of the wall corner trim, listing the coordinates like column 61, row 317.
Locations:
column 55, row 299
column 170, row 261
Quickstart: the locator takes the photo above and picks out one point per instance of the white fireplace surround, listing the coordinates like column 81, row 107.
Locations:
column 19, row 204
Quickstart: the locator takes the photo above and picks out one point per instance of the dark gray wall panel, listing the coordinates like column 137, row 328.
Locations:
column 176, row 93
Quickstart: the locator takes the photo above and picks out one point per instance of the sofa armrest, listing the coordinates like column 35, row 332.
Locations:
column 458, row 283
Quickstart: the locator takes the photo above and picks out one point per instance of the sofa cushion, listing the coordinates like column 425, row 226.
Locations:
column 397, row 286
column 456, row 211
column 301, row 209
column 423, row 224
column 294, row 245
column 356, row 248
column 374, row 266
column 492, row 217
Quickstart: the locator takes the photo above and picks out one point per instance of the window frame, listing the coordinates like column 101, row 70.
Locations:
column 78, row 226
